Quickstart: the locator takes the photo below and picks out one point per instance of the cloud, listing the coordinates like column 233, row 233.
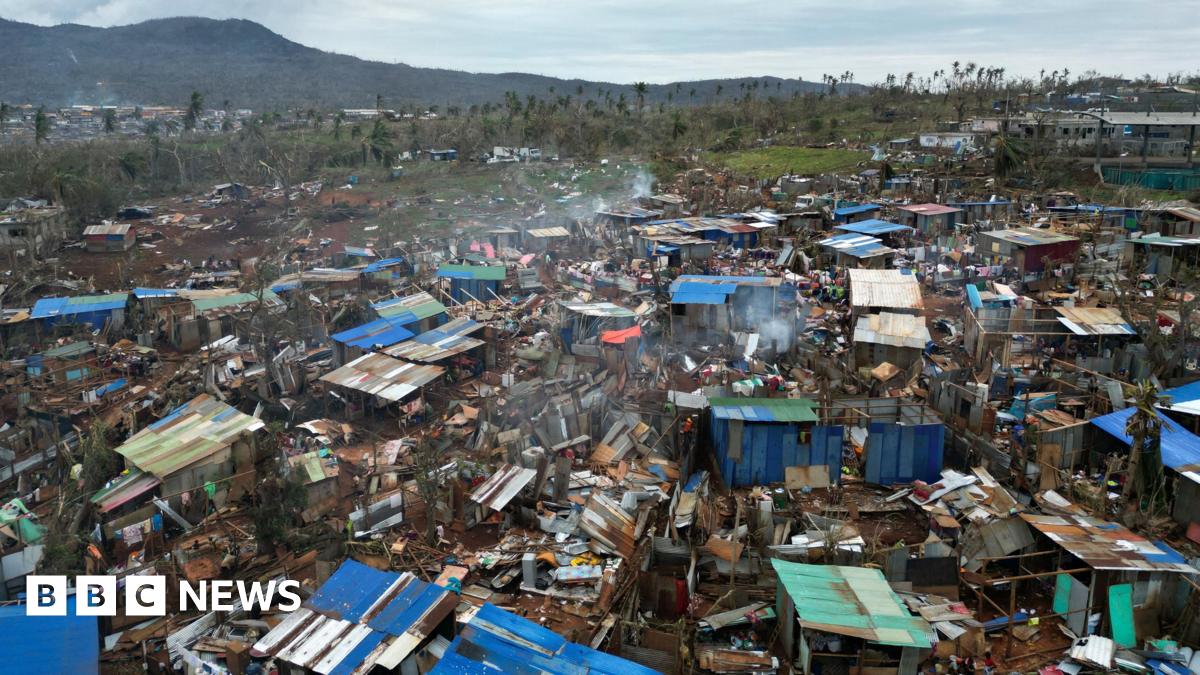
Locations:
column 668, row 40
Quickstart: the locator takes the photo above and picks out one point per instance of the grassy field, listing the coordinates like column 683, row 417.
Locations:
column 776, row 161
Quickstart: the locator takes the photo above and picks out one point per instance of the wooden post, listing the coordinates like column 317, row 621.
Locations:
column 1012, row 611
column 562, row 478
column 737, row 522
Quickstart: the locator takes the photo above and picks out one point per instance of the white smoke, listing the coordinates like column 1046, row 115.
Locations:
column 643, row 182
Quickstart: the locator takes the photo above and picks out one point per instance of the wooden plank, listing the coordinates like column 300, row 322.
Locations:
column 800, row 477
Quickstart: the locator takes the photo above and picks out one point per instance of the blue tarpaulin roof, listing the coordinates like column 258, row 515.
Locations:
column 380, row 265
column 700, row 293
column 385, row 332
column 1188, row 392
column 109, row 388
column 874, row 226
column 856, row 245
column 142, row 293
column 85, row 304
column 394, row 614
column 453, row 329
column 685, row 298
column 1179, row 447
column 496, row 641
column 714, row 279
column 49, row 644
column 857, row 208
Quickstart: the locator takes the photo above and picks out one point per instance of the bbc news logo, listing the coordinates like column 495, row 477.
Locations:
column 97, row 595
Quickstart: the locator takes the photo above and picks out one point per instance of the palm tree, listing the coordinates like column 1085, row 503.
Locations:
column 130, row 164
column 194, row 110
column 640, row 88
column 41, row 125
column 110, row 120
column 377, row 143
column 5, row 110
column 1145, row 476
column 678, row 126
column 379, row 102
column 338, row 119
column 1009, row 155
column 62, row 181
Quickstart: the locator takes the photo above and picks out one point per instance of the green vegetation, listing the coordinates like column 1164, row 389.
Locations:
column 778, row 160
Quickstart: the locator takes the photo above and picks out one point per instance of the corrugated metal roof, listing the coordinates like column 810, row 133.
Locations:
column 1159, row 240
column 120, row 229
column 1028, row 236
column 410, row 309
column 209, row 300
column 192, row 432
column 724, row 279
column 70, row 349
column 80, row 304
column 500, row 488
column 123, row 490
column 597, row 308
column 1180, row 448
column 496, row 641
column 380, row 332
column 701, row 292
column 1183, row 394
column 885, row 288
column 1103, row 545
column 483, row 272
column 928, row 209
column 358, row 619
column 764, row 409
column 873, row 226
column 856, row 245
column 359, row 251
column 143, row 293
column 854, row 601
column 380, row 265
column 629, row 212
column 1186, row 213
column 49, row 644
column 1094, row 321
column 685, row 298
column 558, row 231
column 439, row 343
column 383, row 376
column 897, row 330
column 858, row 208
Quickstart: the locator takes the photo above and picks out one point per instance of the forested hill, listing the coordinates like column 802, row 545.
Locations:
column 161, row 62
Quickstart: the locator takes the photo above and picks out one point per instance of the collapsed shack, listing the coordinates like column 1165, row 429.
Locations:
column 846, row 615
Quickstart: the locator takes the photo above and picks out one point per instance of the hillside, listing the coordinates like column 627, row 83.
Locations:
column 161, row 62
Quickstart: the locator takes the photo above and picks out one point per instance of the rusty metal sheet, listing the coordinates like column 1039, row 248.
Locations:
column 1104, row 545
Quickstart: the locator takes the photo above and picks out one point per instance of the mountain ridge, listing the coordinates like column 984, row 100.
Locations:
column 161, row 61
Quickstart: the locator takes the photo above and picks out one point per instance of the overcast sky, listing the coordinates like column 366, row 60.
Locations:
column 668, row 40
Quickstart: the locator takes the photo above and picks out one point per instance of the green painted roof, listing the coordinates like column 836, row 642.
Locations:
column 421, row 305
column 192, row 433
column 233, row 299
column 764, row 409
column 70, row 349
column 854, row 601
